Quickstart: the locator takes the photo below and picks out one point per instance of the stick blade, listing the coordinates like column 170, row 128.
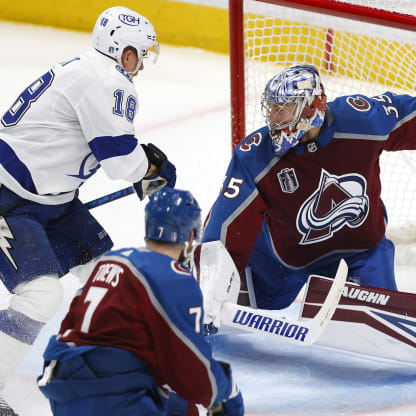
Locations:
column 328, row 308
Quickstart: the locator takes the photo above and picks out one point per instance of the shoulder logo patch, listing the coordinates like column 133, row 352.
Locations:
column 359, row 103
column 253, row 140
column 179, row 268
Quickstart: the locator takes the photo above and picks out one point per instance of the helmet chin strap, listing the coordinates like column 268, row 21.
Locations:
column 136, row 69
column 138, row 66
column 304, row 126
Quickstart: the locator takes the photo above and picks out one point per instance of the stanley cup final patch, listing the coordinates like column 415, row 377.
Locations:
column 288, row 180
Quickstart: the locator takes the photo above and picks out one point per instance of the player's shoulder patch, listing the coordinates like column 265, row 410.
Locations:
column 124, row 72
column 178, row 267
column 358, row 102
column 255, row 141
column 251, row 141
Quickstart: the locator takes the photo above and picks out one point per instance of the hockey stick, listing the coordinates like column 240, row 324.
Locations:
column 296, row 331
column 109, row 197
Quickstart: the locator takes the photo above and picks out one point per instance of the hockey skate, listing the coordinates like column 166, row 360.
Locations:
column 5, row 409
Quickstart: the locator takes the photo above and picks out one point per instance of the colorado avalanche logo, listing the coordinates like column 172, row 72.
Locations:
column 253, row 140
column 338, row 201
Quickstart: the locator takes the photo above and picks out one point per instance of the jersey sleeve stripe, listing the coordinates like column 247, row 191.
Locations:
column 105, row 147
column 360, row 136
column 15, row 167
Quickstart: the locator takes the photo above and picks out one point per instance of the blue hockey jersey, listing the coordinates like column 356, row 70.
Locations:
column 322, row 196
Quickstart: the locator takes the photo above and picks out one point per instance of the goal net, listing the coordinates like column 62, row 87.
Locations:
column 358, row 46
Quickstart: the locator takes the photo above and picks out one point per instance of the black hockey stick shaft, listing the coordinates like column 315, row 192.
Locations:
column 109, row 197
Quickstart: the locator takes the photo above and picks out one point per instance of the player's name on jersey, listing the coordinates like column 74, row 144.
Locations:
column 108, row 273
column 267, row 324
column 365, row 295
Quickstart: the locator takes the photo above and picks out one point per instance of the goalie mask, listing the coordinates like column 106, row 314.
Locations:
column 171, row 215
column 293, row 102
column 119, row 27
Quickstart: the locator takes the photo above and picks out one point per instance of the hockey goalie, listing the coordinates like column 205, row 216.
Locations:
column 303, row 192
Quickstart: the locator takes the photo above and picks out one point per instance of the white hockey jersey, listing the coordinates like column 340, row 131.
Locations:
column 73, row 119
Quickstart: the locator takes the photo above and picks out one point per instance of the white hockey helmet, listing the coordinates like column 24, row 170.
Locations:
column 119, row 27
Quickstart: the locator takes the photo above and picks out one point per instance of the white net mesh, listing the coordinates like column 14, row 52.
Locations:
column 352, row 57
column 399, row 6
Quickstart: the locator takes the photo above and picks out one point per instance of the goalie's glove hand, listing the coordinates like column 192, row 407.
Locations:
column 165, row 175
column 234, row 405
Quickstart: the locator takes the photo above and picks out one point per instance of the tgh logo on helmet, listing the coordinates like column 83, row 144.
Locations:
column 128, row 19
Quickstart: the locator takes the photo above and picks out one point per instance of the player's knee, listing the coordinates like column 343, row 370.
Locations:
column 38, row 299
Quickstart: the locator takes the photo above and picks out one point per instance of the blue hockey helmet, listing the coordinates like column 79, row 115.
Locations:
column 171, row 215
column 292, row 103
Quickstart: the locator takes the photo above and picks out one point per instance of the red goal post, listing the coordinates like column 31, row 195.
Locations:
column 359, row 46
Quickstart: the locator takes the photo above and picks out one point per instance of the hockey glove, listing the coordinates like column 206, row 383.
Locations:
column 166, row 175
column 234, row 405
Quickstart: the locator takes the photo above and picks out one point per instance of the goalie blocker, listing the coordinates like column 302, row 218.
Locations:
column 370, row 322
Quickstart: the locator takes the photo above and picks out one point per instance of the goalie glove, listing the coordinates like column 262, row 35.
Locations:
column 166, row 175
column 233, row 405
